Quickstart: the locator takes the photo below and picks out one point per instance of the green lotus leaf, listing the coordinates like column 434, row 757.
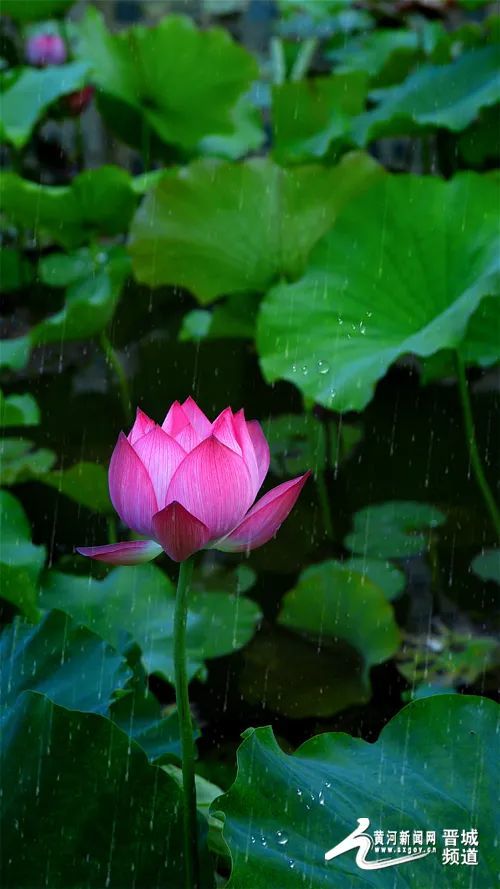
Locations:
column 71, row 665
column 232, row 319
column 480, row 344
column 33, row 10
column 432, row 769
column 77, row 787
column 90, row 300
column 385, row 55
column 383, row 574
column 99, row 201
column 26, row 94
column 443, row 96
column 139, row 714
column 18, row 410
column 247, row 136
column 403, row 269
column 136, row 605
column 15, row 353
column 298, row 442
column 397, row 529
column 480, row 142
column 20, row 560
column 16, row 271
column 85, row 483
column 333, row 601
column 184, row 82
column 337, row 624
column 325, row 682
column 220, row 228
column 311, row 116
column 22, row 461
column 487, row 565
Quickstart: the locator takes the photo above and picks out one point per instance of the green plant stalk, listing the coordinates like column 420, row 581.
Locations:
column 278, row 64
column 324, row 502
column 112, row 535
column 114, row 362
column 304, row 58
column 186, row 727
column 146, row 144
column 475, row 459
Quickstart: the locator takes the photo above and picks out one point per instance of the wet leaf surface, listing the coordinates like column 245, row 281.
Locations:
column 421, row 774
column 137, row 605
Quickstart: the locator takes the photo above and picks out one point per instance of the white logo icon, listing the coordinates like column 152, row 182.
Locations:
column 363, row 842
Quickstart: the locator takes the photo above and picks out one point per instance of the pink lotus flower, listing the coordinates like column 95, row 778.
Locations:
column 46, row 49
column 190, row 484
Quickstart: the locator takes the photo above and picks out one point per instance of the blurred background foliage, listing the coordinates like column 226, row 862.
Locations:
column 288, row 206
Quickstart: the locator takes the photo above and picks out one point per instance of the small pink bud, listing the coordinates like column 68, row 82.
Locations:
column 78, row 101
column 46, row 49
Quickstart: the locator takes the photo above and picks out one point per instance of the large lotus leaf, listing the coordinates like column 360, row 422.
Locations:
column 402, row 270
column 298, row 442
column 31, row 10
column 132, row 127
column 487, row 565
column 309, row 116
column 85, row 483
column 333, row 601
column 325, row 682
column 97, row 202
column 398, row 529
column 82, row 806
column 480, row 143
column 220, row 228
column 140, row 715
column 339, row 624
column 480, row 344
column 186, row 82
column 26, row 93
column 70, row 664
column 234, row 319
column 136, row 604
column 383, row 574
column 18, row 410
column 90, row 300
column 20, row 560
column 16, row 271
column 21, row 461
column 435, row 767
column 14, row 353
column 247, row 136
column 445, row 96
column 385, row 55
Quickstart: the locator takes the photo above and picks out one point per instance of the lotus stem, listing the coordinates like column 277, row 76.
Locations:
column 324, row 502
column 113, row 360
column 186, row 727
column 146, row 144
column 304, row 58
column 278, row 63
column 475, row 459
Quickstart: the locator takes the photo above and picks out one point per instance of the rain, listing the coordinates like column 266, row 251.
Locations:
column 249, row 429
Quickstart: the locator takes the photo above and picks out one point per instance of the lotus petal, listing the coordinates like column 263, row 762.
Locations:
column 180, row 533
column 132, row 552
column 264, row 519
